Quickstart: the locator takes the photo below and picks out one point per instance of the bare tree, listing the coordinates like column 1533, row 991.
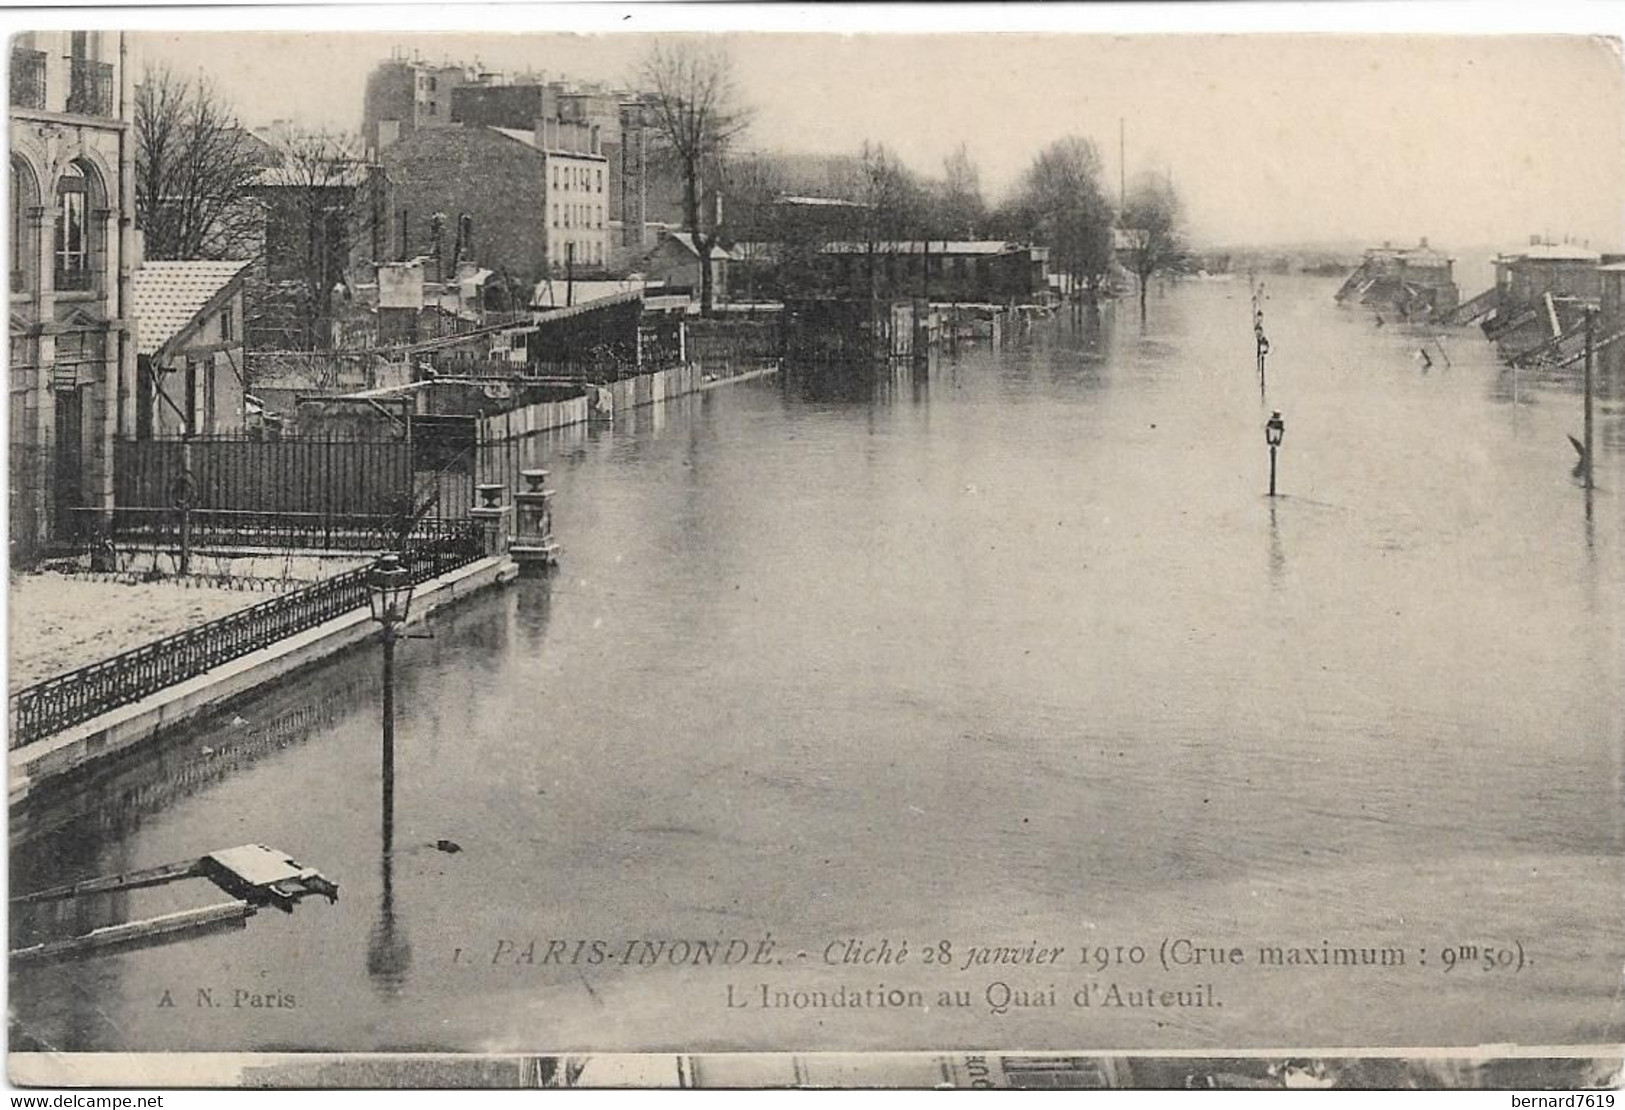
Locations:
column 1059, row 202
column 193, row 165
column 1153, row 220
column 753, row 186
column 696, row 115
column 960, row 208
column 890, row 208
column 321, row 207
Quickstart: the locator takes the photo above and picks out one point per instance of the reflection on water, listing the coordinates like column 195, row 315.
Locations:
column 389, row 952
column 1002, row 644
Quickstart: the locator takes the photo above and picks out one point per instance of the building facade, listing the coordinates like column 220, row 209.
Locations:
column 1561, row 269
column 675, row 261
column 530, row 212
column 405, row 96
column 72, row 249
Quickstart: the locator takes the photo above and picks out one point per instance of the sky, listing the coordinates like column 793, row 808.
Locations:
column 1270, row 138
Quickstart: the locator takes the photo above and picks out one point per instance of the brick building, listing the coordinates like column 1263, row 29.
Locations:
column 72, row 249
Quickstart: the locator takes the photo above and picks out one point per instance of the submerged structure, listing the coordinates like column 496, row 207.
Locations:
column 1416, row 283
column 1535, row 312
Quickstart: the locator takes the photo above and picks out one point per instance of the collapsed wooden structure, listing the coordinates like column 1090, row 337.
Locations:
column 252, row 875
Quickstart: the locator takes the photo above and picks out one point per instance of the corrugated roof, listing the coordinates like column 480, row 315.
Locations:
column 169, row 294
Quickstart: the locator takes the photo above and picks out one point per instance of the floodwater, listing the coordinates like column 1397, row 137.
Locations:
column 1013, row 653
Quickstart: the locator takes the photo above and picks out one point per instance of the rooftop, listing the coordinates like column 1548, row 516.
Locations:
column 168, row 295
column 933, row 246
column 1552, row 252
column 551, row 293
column 686, row 241
column 529, row 139
column 821, row 202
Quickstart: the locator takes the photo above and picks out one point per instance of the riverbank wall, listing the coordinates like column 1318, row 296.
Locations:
column 603, row 402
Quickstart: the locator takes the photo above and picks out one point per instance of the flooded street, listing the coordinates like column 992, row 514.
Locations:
column 1010, row 653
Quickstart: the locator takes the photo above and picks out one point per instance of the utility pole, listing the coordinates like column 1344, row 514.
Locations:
column 1591, row 329
column 570, row 275
column 1122, row 163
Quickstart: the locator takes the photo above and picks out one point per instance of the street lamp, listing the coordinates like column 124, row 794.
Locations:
column 389, row 592
column 1274, row 430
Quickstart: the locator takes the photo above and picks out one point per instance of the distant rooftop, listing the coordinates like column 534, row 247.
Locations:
column 934, row 246
column 821, row 202
column 1552, row 252
column 529, row 139
column 686, row 241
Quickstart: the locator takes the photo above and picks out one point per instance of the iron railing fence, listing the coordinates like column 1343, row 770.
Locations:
column 297, row 475
column 90, row 88
column 223, row 530
column 77, row 696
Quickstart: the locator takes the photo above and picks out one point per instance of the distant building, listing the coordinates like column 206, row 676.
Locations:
column 190, row 373
column 531, row 211
column 319, row 221
column 1560, row 269
column 675, row 261
column 972, row 271
column 72, row 248
column 577, row 120
column 406, row 95
column 1416, row 282
column 1611, row 322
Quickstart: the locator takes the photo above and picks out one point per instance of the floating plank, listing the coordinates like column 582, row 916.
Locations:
column 127, row 880
column 144, row 929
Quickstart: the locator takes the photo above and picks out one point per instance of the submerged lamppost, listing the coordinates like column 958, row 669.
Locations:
column 1274, row 431
column 389, row 592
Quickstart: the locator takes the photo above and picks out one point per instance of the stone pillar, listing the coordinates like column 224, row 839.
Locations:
column 533, row 546
column 493, row 517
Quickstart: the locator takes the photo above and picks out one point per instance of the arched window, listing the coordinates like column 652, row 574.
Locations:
column 73, row 229
column 20, row 230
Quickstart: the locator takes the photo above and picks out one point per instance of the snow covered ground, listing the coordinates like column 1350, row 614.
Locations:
column 58, row 622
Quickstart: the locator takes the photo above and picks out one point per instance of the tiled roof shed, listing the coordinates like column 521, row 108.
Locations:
column 169, row 296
